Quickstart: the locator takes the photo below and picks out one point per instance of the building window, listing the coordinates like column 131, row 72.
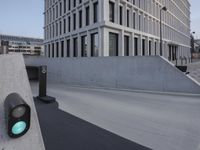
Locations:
column 87, row 16
column 49, row 50
column 53, row 30
column 69, row 24
column 113, row 44
column 136, row 46
column 52, row 49
column 139, row 22
column 60, row 9
column 62, row 48
column 60, row 28
column 134, row 20
column 64, row 25
column 149, row 47
column 64, row 6
column 143, row 47
column 75, row 45
column 74, row 3
column 56, row 11
column 84, row 46
column 155, row 48
column 53, row 13
column 95, row 12
column 57, row 49
column 127, row 18
column 126, row 45
column 120, row 15
column 80, row 19
column 94, row 45
column 74, row 18
column 68, row 48
column 69, row 4
column 111, row 11
column 56, row 29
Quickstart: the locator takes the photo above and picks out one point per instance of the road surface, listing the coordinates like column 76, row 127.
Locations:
column 155, row 120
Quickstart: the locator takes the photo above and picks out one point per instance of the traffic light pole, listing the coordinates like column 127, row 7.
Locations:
column 43, row 86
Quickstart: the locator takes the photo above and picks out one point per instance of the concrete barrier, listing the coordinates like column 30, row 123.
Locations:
column 151, row 73
column 13, row 78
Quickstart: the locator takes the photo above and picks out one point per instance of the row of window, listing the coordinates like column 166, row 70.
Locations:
column 53, row 49
column 141, row 22
column 57, row 11
column 71, row 23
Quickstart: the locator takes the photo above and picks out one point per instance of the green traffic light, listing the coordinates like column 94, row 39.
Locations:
column 18, row 127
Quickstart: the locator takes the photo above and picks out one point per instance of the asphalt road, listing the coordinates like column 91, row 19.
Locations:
column 157, row 121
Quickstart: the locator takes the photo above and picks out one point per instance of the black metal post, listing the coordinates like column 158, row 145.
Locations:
column 42, row 81
column 43, row 86
column 161, row 41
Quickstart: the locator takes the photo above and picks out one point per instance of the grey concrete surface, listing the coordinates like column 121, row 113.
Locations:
column 157, row 120
column 13, row 78
column 194, row 69
column 140, row 72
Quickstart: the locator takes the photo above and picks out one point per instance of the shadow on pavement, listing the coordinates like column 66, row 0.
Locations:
column 63, row 131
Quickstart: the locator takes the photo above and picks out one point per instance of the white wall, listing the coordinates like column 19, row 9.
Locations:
column 138, row 72
column 13, row 78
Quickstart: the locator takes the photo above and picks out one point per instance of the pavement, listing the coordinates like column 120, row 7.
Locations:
column 159, row 121
column 63, row 131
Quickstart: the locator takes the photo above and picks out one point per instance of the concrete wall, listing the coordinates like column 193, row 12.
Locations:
column 13, row 78
column 139, row 73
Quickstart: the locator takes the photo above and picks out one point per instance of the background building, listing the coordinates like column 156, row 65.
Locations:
column 4, row 47
column 78, row 28
column 24, row 45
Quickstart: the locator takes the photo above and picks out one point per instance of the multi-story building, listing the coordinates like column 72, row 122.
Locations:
column 78, row 28
column 24, row 45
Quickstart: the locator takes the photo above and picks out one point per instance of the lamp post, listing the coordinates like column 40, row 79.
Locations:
column 165, row 9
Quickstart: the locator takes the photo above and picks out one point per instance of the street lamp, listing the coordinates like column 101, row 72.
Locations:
column 162, row 9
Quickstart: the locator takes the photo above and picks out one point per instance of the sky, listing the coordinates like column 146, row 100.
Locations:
column 25, row 17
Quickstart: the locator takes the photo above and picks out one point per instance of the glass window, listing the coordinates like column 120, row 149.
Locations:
column 75, row 41
column 126, row 45
column 136, row 46
column 87, row 16
column 68, row 48
column 52, row 49
column 95, row 12
column 74, row 18
column 120, row 15
column 94, row 45
column 62, row 48
column 113, row 44
column 84, row 46
column 127, row 19
column 111, row 11
column 57, row 49
column 80, row 19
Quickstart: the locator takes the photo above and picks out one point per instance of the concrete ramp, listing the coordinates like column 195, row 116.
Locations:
column 152, row 73
column 13, row 78
column 194, row 69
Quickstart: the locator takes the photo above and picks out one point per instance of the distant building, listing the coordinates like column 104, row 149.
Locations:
column 4, row 47
column 92, row 28
column 24, row 45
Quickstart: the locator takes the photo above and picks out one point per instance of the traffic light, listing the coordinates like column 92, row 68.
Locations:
column 17, row 115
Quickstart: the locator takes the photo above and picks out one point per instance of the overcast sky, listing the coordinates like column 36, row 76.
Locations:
column 25, row 17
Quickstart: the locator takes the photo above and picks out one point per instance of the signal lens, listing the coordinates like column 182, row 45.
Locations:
column 18, row 111
column 19, row 127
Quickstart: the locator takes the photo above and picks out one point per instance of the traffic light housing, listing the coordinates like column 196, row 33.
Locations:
column 17, row 115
